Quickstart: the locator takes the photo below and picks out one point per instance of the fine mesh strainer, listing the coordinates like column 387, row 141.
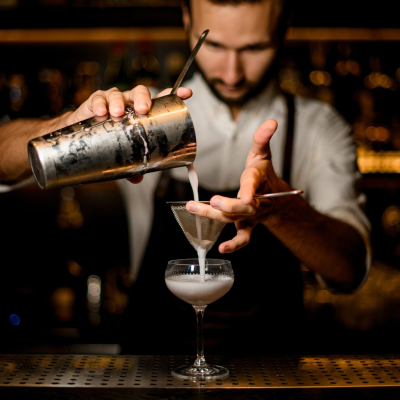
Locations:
column 200, row 231
column 203, row 232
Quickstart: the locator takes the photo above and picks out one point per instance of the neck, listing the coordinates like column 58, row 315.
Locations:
column 235, row 110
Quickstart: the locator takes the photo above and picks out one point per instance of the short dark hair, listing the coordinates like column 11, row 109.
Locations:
column 234, row 2
column 286, row 11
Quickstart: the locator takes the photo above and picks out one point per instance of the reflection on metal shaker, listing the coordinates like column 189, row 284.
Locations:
column 102, row 149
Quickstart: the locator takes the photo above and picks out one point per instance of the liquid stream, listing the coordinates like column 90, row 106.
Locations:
column 201, row 252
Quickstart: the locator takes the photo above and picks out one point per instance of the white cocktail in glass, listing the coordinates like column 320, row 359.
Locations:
column 184, row 280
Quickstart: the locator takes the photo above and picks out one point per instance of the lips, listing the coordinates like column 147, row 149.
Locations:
column 231, row 89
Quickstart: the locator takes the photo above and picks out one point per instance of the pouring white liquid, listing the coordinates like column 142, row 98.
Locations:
column 201, row 252
column 194, row 181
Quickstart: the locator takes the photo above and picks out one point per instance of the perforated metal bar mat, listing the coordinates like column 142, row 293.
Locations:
column 93, row 371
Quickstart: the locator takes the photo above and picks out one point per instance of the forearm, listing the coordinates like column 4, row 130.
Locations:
column 14, row 138
column 15, row 135
column 325, row 245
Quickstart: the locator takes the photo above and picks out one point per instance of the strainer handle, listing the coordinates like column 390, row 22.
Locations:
column 260, row 196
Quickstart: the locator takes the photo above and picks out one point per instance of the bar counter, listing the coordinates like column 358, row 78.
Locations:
column 64, row 376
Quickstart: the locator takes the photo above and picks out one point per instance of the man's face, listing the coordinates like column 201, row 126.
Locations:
column 239, row 48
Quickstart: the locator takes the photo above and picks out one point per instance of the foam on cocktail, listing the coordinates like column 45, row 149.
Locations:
column 193, row 290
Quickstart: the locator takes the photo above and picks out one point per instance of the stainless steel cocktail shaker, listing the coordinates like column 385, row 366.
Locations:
column 104, row 149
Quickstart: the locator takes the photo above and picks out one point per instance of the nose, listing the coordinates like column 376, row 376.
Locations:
column 233, row 72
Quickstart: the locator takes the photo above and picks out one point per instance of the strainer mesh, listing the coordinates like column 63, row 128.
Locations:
column 200, row 231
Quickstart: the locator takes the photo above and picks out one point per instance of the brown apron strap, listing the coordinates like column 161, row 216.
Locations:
column 287, row 161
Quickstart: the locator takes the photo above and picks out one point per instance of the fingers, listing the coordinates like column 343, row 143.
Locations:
column 100, row 103
column 232, row 206
column 116, row 102
column 250, row 181
column 113, row 102
column 244, row 228
column 221, row 209
column 95, row 105
column 241, row 239
column 204, row 210
column 260, row 148
column 135, row 179
column 183, row 93
column 258, row 164
column 140, row 98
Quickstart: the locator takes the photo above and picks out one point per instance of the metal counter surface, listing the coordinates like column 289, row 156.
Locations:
column 108, row 377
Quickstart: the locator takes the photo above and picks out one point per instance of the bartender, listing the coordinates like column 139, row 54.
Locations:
column 235, row 95
column 298, row 143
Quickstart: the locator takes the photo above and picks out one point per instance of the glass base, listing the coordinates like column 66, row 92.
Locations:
column 206, row 373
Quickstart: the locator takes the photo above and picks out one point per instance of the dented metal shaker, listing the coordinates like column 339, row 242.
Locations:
column 102, row 149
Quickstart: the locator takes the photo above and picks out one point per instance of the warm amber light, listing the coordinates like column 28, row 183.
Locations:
column 320, row 78
column 381, row 162
column 353, row 67
column 74, row 268
column 340, row 68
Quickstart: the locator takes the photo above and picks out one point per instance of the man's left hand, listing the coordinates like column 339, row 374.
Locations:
column 258, row 177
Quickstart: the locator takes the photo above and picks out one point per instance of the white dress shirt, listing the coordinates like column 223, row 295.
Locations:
column 323, row 162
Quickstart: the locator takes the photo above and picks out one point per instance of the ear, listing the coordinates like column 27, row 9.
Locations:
column 185, row 17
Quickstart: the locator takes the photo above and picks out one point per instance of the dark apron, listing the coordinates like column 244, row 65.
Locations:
column 261, row 314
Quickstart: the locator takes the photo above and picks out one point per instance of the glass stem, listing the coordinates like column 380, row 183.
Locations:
column 200, row 359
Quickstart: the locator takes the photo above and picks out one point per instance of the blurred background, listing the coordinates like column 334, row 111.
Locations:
column 64, row 275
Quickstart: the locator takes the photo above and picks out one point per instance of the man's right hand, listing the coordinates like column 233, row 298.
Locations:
column 14, row 135
column 113, row 102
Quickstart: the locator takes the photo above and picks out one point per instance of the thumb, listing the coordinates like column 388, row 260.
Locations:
column 183, row 93
column 260, row 148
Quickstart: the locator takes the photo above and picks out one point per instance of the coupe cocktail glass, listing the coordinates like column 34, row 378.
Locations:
column 185, row 280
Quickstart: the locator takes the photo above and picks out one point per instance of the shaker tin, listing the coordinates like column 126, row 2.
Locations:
column 101, row 149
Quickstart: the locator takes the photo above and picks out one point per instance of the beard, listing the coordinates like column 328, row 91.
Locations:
column 251, row 88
